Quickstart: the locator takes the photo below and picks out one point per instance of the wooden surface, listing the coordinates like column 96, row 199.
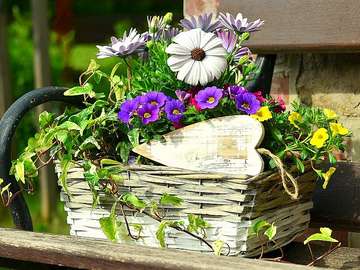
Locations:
column 293, row 25
column 339, row 204
column 100, row 254
column 224, row 144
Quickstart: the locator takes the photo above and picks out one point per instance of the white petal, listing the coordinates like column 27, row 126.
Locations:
column 176, row 62
column 195, row 36
column 205, row 38
column 194, row 76
column 205, row 76
column 184, row 39
column 217, row 51
column 177, row 49
column 214, row 42
column 186, row 68
column 215, row 65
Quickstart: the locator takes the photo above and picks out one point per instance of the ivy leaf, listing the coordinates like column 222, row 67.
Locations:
column 86, row 89
column 109, row 225
column 131, row 199
column 324, row 235
column 93, row 66
column 107, row 161
column 168, row 199
column 89, row 143
column 65, row 165
column 271, row 231
column 196, row 223
column 123, row 148
column 20, row 171
column 45, row 119
column 160, row 233
column 218, row 246
column 258, row 226
column 68, row 125
column 133, row 136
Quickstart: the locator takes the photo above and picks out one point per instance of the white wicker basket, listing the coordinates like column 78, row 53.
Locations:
column 230, row 204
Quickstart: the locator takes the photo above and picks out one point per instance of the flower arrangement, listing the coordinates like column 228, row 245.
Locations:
column 173, row 78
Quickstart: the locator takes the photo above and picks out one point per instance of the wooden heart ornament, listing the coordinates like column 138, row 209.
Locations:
column 225, row 145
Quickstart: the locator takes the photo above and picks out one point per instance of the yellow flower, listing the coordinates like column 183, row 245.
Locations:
column 327, row 176
column 294, row 116
column 262, row 114
column 330, row 114
column 337, row 128
column 319, row 138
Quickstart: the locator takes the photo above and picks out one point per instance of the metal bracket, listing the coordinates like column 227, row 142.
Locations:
column 8, row 124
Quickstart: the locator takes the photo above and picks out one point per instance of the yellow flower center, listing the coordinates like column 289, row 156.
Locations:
column 147, row 115
column 176, row 111
column 246, row 105
column 211, row 100
column 153, row 102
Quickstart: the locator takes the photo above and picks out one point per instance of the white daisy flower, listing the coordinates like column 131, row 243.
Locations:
column 197, row 57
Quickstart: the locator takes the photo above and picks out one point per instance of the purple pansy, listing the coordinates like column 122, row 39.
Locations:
column 182, row 95
column 235, row 90
column 154, row 98
column 204, row 22
column 122, row 47
column 128, row 109
column 228, row 39
column 174, row 110
column 209, row 97
column 247, row 102
column 148, row 113
column 239, row 23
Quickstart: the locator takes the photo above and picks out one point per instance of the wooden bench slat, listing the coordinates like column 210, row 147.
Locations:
column 80, row 252
column 306, row 25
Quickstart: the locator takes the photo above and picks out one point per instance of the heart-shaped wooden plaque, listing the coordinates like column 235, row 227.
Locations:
column 225, row 145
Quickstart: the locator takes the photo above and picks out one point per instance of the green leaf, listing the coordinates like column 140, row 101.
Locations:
column 324, row 235
column 89, row 143
column 276, row 134
column 218, row 246
column 123, row 148
column 45, row 119
column 196, row 223
column 131, row 199
column 107, row 162
column 69, row 126
column 168, row 199
column 271, row 231
column 20, row 171
column 109, row 225
column 160, row 233
column 65, row 165
column 258, row 226
column 133, row 136
column 332, row 158
column 86, row 89
column 93, row 66
column 299, row 165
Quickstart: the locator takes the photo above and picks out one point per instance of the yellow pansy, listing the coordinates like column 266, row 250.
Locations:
column 262, row 114
column 319, row 137
column 337, row 128
column 327, row 176
column 295, row 117
column 330, row 114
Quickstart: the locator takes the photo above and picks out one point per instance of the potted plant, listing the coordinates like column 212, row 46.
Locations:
column 185, row 86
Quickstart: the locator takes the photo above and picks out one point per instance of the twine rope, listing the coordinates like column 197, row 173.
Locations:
column 286, row 177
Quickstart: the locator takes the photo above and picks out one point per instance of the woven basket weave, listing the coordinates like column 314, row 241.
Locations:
column 230, row 204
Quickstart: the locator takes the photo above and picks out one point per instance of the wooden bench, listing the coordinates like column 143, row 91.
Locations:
column 291, row 26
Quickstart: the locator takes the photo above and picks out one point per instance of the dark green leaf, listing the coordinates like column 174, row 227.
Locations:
column 299, row 165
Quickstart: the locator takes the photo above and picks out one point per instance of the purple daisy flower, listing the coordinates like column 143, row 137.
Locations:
column 247, row 102
column 204, row 22
column 148, row 113
column 182, row 95
column 174, row 110
column 127, row 110
column 209, row 97
column 228, row 39
column 235, row 90
column 154, row 98
column 241, row 52
column 122, row 47
column 239, row 23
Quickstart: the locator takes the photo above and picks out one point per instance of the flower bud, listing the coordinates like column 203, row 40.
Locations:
column 168, row 18
column 154, row 24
